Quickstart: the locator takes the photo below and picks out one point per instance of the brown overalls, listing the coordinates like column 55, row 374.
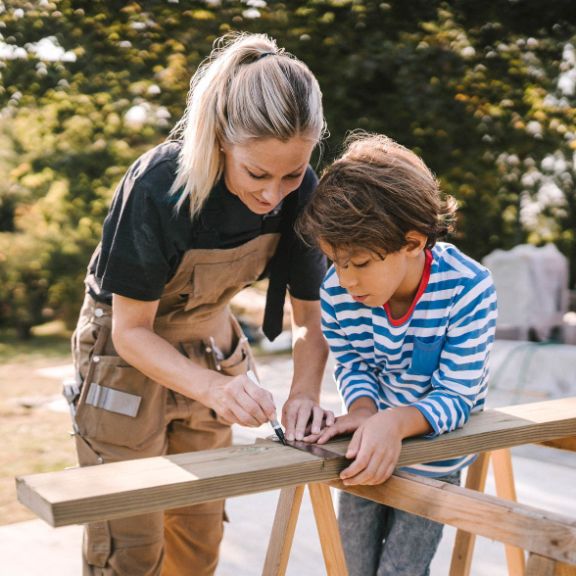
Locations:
column 121, row 414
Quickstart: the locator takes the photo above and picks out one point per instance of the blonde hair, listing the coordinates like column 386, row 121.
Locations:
column 247, row 88
column 373, row 195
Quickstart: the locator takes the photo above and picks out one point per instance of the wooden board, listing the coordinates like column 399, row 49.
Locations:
column 545, row 533
column 133, row 487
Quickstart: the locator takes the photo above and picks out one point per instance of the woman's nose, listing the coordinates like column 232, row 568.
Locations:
column 272, row 193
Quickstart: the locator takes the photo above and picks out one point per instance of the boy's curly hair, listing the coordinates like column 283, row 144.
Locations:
column 372, row 196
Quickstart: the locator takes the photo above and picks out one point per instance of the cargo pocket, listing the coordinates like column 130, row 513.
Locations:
column 426, row 356
column 97, row 544
column 119, row 405
column 239, row 361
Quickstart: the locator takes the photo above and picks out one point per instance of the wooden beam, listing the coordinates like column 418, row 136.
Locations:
column 547, row 534
column 328, row 530
column 464, row 542
column 283, row 529
column 505, row 488
column 540, row 566
column 562, row 443
column 134, row 487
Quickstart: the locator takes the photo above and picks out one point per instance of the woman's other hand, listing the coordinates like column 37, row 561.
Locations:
column 302, row 416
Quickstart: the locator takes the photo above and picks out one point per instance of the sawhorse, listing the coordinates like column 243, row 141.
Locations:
column 290, row 500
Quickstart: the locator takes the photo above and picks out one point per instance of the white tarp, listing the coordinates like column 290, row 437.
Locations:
column 532, row 287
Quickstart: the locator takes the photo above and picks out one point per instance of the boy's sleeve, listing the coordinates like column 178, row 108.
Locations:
column 353, row 375
column 461, row 378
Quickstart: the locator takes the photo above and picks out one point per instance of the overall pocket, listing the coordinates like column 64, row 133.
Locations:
column 426, row 356
column 119, row 405
column 239, row 361
column 213, row 282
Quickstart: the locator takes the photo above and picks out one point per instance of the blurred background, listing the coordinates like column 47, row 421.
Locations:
column 484, row 91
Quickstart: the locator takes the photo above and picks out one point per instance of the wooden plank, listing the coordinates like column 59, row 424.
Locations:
column 505, row 488
column 547, row 534
column 565, row 569
column 540, row 566
column 328, row 530
column 464, row 542
column 283, row 529
column 134, row 487
column 562, row 443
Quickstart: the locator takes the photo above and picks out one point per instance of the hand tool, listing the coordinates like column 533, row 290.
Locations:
column 216, row 353
column 273, row 422
column 314, row 449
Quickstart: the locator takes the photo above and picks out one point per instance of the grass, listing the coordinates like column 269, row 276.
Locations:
column 50, row 340
column 34, row 437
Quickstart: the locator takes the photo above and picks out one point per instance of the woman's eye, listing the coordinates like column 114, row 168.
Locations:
column 256, row 176
column 293, row 176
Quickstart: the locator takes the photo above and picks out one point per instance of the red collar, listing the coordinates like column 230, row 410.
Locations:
column 421, row 288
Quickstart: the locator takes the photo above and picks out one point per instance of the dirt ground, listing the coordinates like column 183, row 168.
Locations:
column 33, row 427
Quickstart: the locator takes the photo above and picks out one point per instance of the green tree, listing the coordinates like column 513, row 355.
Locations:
column 485, row 92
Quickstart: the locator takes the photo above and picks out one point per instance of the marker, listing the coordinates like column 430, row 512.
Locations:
column 273, row 422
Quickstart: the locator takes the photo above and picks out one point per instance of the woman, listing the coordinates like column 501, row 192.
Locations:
column 161, row 361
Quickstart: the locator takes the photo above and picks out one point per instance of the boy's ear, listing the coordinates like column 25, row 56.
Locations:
column 415, row 242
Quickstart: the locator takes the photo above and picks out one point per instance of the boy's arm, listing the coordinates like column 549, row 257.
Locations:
column 353, row 375
column 461, row 378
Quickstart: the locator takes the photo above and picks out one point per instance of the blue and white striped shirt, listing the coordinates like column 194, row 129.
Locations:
column 434, row 358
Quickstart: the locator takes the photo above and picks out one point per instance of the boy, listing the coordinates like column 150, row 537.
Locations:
column 410, row 323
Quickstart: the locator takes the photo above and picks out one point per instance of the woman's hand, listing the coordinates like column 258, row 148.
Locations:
column 239, row 400
column 302, row 415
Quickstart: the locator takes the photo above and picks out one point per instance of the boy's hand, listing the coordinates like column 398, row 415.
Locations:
column 377, row 443
column 343, row 425
column 375, row 448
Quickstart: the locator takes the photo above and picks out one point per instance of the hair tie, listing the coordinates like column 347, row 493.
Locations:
column 264, row 54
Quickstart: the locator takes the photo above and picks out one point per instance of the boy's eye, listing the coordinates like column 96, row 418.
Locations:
column 361, row 264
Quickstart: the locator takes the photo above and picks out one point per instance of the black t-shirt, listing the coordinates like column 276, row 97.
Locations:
column 144, row 236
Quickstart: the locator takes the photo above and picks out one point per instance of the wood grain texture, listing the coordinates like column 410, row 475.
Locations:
column 565, row 569
column 562, row 443
column 327, row 525
column 506, row 488
column 540, row 566
column 133, row 487
column 282, row 535
column 464, row 542
column 547, row 534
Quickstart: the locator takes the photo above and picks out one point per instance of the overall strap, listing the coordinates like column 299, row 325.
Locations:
column 280, row 269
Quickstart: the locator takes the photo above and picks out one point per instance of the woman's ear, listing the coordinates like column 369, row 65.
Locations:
column 415, row 243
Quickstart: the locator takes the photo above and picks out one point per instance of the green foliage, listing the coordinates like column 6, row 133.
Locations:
column 473, row 87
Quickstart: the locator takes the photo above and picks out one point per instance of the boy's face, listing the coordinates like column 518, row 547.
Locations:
column 372, row 280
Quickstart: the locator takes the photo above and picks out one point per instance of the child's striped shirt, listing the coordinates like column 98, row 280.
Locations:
column 434, row 358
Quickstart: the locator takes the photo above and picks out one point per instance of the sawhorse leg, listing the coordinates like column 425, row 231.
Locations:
column 476, row 480
column 285, row 525
column 283, row 531
column 464, row 543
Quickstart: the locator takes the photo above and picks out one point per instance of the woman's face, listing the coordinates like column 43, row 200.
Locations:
column 262, row 172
